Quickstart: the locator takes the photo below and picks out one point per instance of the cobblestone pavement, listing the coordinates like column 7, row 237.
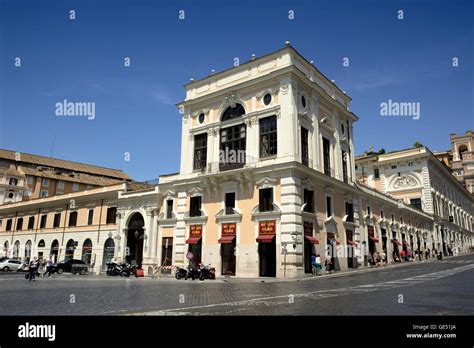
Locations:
column 420, row 288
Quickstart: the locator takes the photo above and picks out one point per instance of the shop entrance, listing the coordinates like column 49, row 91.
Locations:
column 166, row 254
column 267, row 258
column 372, row 240
column 267, row 248
column 228, row 248
column 309, row 249
column 351, row 257
column 195, row 244
column 109, row 251
column 135, row 236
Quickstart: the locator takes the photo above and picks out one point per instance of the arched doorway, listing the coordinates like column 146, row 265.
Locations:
column 135, row 236
column 87, row 251
column 69, row 250
column 54, row 250
column 16, row 250
column 41, row 245
column 5, row 249
column 28, row 251
column 109, row 252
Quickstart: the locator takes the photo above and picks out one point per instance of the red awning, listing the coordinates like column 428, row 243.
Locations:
column 226, row 239
column 193, row 240
column 265, row 238
column 406, row 243
column 374, row 239
column 337, row 242
column 352, row 243
column 312, row 240
column 398, row 242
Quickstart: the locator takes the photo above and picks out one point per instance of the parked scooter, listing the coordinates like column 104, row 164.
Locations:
column 206, row 272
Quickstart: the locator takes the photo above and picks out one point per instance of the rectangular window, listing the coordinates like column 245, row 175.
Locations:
column 308, row 200
column 268, row 136
column 200, row 151
column 19, row 224
column 57, row 220
column 8, row 227
column 13, row 182
column 111, row 215
column 304, row 146
column 89, row 187
column 60, row 184
column 328, row 206
column 350, row 212
column 90, row 217
column 326, row 157
column 394, row 167
column 43, row 220
column 31, row 222
column 376, row 173
column 344, row 167
column 195, row 206
column 44, row 193
column 169, row 209
column 29, row 192
column 393, row 218
column 416, row 203
column 29, row 180
column 45, row 182
column 369, row 211
column 229, row 202
column 382, row 215
column 265, row 199
column 75, row 187
column 232, row 147
column 72, row 218
column 401, row 220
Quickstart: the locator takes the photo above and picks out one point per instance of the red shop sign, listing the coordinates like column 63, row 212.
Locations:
column 228, row 229
column 195, row 230
column 266, row 227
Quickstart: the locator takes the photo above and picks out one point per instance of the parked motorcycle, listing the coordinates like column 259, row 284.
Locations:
column 206, row 272
column 181, row 273
column 192, row 273
column 116, row 269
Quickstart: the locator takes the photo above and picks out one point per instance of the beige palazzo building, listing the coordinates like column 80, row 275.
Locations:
column 267, row 178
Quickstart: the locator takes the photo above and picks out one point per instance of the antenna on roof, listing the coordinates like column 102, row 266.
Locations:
column 52, row 146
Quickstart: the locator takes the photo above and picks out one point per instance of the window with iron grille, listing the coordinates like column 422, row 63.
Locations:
column 268, row 136
column 200, row 151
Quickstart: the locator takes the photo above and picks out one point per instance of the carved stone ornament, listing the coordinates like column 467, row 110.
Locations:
column 404, row 181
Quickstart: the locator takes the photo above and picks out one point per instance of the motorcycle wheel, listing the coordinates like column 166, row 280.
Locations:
column 202, row 277
column 60, row 271
column 125, row 274
column 178, row 275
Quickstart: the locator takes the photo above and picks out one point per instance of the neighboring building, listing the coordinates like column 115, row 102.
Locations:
column 463, row 159
column 77, row 225
column 267, row 178
column 418, row 178
column 24, row 177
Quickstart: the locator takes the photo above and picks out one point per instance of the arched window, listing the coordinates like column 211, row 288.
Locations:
column 69, row 249
column 41, row 243
column 16, row 250
column 5, row 249
column 233, row 112
column 54, row 250
column 462, row 149
column 28, row 251
column 109, row 251
column 87, row 251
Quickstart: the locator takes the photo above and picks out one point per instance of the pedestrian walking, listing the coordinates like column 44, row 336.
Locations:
column 33, row 269
column 313, row 264
column 328, row 264
column 318, row 265
column 49, row 264
column 403, row 255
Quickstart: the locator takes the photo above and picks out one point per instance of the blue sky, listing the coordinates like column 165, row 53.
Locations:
column 406, row 60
